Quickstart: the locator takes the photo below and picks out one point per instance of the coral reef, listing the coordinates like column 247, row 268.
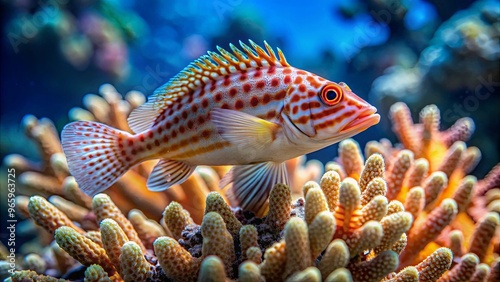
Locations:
column 407, row 212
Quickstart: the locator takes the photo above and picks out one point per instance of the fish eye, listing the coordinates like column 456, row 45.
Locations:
column 331, row 94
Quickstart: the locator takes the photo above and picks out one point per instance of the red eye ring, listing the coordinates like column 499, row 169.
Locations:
column 331, row 94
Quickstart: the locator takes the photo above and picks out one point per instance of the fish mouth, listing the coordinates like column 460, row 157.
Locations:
column 366, row 118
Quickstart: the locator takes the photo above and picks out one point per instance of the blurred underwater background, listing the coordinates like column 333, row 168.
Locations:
column 420, row 52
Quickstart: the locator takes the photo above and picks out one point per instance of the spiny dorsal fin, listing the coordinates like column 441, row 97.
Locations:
column 200, row 72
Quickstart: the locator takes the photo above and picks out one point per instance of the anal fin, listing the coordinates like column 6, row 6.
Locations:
column 251, row 184
column 167, row 173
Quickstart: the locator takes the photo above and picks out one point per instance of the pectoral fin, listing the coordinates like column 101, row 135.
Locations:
column 167, row 173
column 251, row 184
column 243, row 129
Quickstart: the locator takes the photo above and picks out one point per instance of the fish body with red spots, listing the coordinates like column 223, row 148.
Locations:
column 248, row 108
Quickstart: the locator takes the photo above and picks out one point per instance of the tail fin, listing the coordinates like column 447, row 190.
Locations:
column 96, row 155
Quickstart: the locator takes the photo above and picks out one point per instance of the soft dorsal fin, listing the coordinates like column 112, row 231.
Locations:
column 198, row 73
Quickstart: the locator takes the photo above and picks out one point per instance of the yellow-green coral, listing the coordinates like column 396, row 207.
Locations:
column 249, row 272
column 212, row 270
column 280, row 199
column 133, row 265
column 274, row 262
column 351, row 158
column 248, row 239
column 48, row 216
column 374, row 167
column 321, row 231
column 175, row 261
column 217, row 240
column 215, row 203
column 336, row 256
column 176, row 218
column 104, row 208
column 83, row 249
column 315, row 203
column 330, row 184
column 113, row 238
column 435, row 265
column 298, row 251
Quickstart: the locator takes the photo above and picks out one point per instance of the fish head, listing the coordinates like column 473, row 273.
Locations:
column 326, row 111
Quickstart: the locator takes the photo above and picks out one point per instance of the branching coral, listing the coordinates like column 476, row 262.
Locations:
column 395, row 217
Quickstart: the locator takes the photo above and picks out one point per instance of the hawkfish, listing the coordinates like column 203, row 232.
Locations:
column 248, row 108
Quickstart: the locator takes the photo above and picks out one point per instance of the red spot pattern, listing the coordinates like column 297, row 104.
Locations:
column 206, row 133
column 247, row 87
column 295, row 110
column 303, row 119
column 287, row 71
column 313, row 82
column 314, row 104
column 238, row 105
column 275, row 82
column 202, row 91
column 298, row 80
column 302, row 88
column 232, row 93
column 260, row 84
column 194, row 108
column 280, row 95
column 227, row 80
column 287, row 79
column 271, row 114
column 254, row 101
column 271, row 70
column 218, row 97
column 184, row 114
column 266, row 99
column 204, row 103
column 257, row 74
